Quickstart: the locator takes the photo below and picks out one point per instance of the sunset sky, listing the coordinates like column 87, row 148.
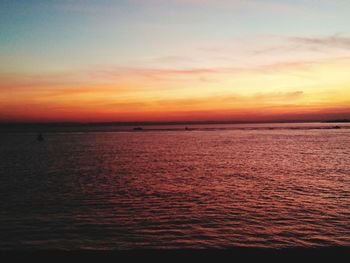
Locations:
column 174, row 60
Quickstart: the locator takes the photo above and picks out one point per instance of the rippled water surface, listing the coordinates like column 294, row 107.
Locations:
column 176, row 189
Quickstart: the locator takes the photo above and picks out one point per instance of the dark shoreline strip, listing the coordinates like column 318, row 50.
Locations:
column 232, row 253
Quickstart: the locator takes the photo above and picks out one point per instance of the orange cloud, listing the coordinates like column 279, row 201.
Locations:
column 171, row 94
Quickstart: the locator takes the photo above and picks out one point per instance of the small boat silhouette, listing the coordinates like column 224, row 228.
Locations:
column 138, row 129
column 40, row 137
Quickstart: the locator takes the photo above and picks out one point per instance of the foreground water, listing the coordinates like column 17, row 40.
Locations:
column 270, row 186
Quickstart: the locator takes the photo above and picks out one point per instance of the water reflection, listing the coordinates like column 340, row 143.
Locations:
column 270, row 188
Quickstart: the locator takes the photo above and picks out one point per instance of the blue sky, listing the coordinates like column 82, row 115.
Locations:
column 287, row 45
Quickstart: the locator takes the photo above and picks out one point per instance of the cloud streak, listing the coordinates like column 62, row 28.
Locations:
column 334, row 41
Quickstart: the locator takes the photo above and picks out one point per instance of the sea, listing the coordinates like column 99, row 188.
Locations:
column 171, row 187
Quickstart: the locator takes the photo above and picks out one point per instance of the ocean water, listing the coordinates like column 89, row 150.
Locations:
column 215, row 186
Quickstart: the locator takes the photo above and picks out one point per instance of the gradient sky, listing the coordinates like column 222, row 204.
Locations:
column 172, row 60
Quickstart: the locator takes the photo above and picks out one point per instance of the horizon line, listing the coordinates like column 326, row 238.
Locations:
column 133, row 123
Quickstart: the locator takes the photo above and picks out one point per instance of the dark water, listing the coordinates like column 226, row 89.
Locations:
column 270, row 186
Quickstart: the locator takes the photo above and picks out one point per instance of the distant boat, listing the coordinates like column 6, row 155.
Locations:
column 336, row 127
column 187, row 129
column 138, row 129
column 40, row 137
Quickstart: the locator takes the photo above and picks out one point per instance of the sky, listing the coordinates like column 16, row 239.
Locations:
column 174, row 60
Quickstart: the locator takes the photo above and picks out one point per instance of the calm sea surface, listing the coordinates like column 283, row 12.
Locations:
column 216, row 186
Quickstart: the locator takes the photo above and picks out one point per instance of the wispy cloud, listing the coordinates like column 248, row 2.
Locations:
column 334, row 41
column 124, row 78
column 228, row 101
column 280, row 96
column 269, row 5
